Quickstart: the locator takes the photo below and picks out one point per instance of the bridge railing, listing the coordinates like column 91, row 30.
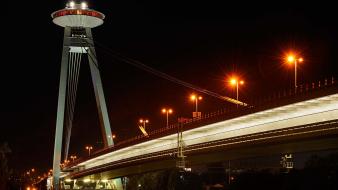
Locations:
column 283, row 97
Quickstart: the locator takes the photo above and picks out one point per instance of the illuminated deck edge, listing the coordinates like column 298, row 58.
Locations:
column 319, row 109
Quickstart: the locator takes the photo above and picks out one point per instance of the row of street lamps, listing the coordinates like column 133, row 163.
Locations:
column 291, row 59
column 168, row 111
column 234, row 81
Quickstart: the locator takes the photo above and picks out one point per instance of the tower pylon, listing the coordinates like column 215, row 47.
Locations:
column 77, row 20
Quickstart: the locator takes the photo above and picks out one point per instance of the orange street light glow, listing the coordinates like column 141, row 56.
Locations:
column 144, row 121
column 89, row 147
column 233, row 81
column 194, row 97
column 291, row 58
column 167, row 110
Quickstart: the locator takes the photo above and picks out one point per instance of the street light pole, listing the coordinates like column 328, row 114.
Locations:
column 295, row 61
column 143, row 122
column 89, row 148
column 237, row 91
column 73, row 158
column 167, row 112
column 167, row 119
column 295, row 75
column 195, row 98
column 196, row 105
column 235, row 81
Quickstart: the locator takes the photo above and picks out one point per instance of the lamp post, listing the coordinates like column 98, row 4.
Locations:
column 143, row 122
column 112, row 137
column 167, row 112
column 294, row 60
column 195, row 98
column 236, row 82
column 66, row 162
column 73, row 158
column 142, row 127
column 89, row 148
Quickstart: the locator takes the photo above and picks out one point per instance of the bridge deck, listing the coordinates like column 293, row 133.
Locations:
column 262, row 123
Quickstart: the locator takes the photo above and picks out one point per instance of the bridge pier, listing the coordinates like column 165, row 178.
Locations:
column 77, row 20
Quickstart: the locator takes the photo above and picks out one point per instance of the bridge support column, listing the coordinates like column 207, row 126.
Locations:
column 61, row 109
column 98, row 89
column 77, row 40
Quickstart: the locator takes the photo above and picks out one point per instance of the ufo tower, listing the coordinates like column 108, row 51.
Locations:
column 77, row 20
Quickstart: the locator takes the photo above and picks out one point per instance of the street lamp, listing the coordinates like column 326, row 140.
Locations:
column 292, row 59
column 167, row 112
column 73, row 158
column 112, row 137
column 195, row 98
column 235, row 82
column 143, row 122
column 142, row 127
column 89, row 148
column 66, row 162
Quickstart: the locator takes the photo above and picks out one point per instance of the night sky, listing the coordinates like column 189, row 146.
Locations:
column 200, row 43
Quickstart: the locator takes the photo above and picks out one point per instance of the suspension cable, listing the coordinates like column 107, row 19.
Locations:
column 72, row 80
column 158, row 73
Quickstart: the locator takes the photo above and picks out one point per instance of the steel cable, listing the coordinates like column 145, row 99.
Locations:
column 158, row 73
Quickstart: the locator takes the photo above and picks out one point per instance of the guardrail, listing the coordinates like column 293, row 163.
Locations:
column 282, row 97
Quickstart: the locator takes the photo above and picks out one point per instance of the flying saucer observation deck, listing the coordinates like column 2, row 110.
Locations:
column 77, row 15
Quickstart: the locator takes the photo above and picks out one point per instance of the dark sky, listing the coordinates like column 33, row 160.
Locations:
column 200, row 43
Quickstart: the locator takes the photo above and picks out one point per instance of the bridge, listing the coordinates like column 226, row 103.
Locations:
column 300, row 120
column 305, row 121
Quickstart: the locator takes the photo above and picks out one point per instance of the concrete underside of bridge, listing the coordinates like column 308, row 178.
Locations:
column 297, row 140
